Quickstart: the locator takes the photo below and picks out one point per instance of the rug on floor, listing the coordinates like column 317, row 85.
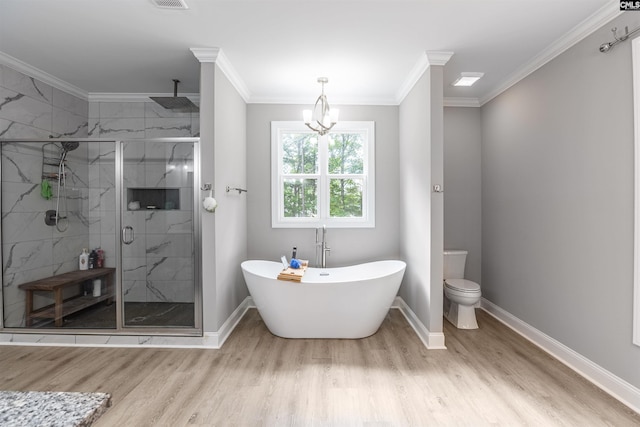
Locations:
column 48, row 408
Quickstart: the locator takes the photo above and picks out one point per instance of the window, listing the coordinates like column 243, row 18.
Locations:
column 322, row 180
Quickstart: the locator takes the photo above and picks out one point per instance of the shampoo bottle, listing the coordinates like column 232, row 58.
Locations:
column 93, row 258
column 84, row 259
column 100, row 262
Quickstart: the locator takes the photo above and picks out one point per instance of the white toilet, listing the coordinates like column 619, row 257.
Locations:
column 460, row 295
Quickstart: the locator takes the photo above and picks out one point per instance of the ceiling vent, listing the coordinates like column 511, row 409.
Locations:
column 171, row 4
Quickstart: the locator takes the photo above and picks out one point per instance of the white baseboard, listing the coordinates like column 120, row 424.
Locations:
column 431, row 340
column 608, row 382
column 216, row 339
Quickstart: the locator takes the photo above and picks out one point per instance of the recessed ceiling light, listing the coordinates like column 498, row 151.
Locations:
column 467, row 79
column 171, row 4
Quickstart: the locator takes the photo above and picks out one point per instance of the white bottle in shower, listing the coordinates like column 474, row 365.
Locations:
column 97, row 286
column 84, row 259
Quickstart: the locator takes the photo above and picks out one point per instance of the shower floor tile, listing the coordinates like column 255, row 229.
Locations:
column 156, row 314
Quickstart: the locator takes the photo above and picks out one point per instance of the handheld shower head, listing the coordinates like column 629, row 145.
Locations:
column 62, row 220
column 69, row 145
column 66, row 147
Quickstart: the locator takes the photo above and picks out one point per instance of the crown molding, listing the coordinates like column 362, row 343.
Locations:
column 427, row 59
column 206, row 54
column 135, row 97
column 217, row 56
column 335, row 101
column 461, row 102
column 44, row 77
column 233, row 76
column 414, row 75
column 438, row 58
column 584, row 29
column 195, row 97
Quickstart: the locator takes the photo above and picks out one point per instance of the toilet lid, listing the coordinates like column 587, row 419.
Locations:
column 462, row 285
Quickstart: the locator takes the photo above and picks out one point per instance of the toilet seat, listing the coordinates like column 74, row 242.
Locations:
column 462, row 286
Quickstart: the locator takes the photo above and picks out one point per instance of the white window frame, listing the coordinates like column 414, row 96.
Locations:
column 278, row 220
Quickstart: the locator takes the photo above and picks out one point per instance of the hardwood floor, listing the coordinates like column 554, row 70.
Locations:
column 489, row 376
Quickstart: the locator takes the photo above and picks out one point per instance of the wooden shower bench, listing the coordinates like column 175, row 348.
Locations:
column 62, row 307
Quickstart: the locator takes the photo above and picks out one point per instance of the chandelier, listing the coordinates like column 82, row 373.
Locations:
column 322, row 118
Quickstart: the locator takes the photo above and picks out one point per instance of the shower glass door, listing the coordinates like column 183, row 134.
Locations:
column 158, row 239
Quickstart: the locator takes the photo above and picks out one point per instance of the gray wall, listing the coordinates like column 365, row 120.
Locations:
column 436, row 145
column 224, row 233
column 557, row 201
column 208, row 73
column 348, row 246
column 422, row 210
column 415, row 213
column 462, row 185
column 230, row 155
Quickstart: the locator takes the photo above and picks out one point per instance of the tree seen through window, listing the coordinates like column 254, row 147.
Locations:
column 323, row 180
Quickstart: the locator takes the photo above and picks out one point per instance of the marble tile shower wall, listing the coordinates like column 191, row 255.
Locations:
column 137, row 120
column 33, row 109
column 158, row 265
column 31, row 249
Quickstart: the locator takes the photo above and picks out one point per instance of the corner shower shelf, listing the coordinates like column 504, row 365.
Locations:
column 50, row 165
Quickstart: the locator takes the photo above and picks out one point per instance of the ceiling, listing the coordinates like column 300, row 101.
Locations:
column 369, row 49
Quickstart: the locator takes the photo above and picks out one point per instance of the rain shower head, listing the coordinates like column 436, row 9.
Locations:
column 176, row 103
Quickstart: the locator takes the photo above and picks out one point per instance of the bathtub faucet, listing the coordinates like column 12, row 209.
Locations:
column 321, row 243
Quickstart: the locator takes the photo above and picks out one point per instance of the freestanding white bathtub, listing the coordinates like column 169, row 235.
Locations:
column 345, row 302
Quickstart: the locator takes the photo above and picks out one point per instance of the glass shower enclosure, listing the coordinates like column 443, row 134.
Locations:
column 130, row 205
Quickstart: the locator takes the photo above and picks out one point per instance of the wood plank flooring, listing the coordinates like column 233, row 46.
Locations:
column 489, row 376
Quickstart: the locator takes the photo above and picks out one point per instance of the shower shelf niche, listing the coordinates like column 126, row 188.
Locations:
column 153, row 199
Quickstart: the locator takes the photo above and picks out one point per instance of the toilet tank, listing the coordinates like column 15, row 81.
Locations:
column 454, row 261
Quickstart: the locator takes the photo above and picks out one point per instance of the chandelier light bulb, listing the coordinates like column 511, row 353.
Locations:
column 326, row 120
column 334, row 113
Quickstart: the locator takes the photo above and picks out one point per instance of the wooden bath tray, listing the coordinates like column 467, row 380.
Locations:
column 294, row 274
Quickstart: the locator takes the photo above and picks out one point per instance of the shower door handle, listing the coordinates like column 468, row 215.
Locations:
column 126, row 232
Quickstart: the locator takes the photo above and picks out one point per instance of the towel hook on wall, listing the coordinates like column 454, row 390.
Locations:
column 239, row 190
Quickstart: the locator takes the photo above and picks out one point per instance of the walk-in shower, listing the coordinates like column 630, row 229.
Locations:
column 133, row 201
